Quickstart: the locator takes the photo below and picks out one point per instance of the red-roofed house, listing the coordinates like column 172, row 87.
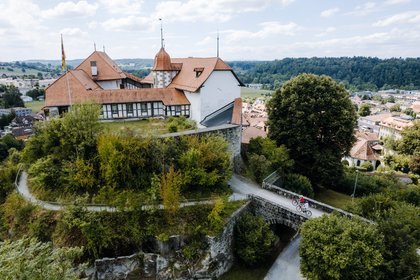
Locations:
column 366, row 148
column 194, row 87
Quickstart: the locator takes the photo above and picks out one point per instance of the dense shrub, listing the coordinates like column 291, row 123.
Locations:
column 367, row 165
column 366, row 184
column 253, row 239
column 299, row 184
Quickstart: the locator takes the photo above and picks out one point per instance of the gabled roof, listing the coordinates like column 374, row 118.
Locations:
column 187, row 79
column 107, row 68
column 59, row 95
column 363, row 150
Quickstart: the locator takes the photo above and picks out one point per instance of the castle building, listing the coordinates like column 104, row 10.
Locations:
column 203, row 89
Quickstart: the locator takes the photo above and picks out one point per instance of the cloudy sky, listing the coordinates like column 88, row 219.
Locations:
column 249, row 29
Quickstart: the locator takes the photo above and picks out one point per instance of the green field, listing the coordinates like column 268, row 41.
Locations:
column 35, row 105
column 333, row 198
column 250, row 93
column 18, row 71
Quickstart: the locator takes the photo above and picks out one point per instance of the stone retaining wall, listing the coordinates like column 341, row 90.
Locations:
column 165, row 263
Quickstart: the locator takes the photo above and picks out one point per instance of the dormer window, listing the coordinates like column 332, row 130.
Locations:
column 93, row 68
column 198, row 71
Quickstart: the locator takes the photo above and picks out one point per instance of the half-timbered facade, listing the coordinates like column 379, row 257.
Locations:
column 191, row 87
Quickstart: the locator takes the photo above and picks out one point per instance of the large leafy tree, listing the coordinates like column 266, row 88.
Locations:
column 314, row 118
column 335, row 247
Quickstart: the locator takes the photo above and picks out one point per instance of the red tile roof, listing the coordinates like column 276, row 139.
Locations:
column 59, row 95
column 107, row 68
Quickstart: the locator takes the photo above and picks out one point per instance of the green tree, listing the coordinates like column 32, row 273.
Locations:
column 170, row 191
column 29, row 259
column 314, row 118
column 259, row 166
column 206, row 163
column 278, row 157
column 400, row 226
column 253, row 239
column 410, row 142
column 11, row 97
column 298, row 184
column 336, row 247
column 395, row 108
column 364, row 110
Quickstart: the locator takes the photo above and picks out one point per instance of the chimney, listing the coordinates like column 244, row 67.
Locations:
column 93, row 68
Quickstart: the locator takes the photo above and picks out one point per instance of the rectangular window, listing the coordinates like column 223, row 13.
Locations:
column 178, row 109
column 114, row 109
column 129, row 108
column 143, row 107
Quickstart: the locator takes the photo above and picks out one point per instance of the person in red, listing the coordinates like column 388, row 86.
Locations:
column 301, row 200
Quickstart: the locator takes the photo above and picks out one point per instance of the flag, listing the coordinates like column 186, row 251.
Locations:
column 63, row 55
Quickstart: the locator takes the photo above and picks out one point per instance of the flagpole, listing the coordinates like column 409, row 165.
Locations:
column 66, row 68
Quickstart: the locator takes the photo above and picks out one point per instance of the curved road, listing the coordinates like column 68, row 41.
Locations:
column 287, row 265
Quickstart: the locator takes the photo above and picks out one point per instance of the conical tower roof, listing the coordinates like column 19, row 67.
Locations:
column 162, row 61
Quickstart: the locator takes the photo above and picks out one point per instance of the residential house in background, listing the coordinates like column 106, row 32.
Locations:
column 392, row 127
column 366, row 148
column 193, row 87
column 371, row 123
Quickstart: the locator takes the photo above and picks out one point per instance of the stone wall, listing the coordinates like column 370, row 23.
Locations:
column 275, row 214
column 166, row 262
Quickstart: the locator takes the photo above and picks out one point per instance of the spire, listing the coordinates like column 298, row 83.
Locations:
column 94, row 46
column 161, row 34
column 218, row 42
column 103, row 47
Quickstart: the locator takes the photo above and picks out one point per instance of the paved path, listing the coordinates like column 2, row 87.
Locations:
column 22, row 188
column 287, row 265
column 244, row 186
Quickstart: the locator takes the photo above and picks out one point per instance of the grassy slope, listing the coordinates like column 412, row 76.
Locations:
column 18, row 71
column 333, row 198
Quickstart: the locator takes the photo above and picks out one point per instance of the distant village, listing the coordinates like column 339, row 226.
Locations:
column 390, row 111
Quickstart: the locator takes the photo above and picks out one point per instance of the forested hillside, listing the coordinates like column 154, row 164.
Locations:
column 356, row 73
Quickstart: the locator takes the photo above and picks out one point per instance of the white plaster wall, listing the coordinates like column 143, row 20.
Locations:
column 220, row 89
column 195, row 108
column 114, row 84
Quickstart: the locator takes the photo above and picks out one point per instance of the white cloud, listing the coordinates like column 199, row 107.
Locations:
column 365, row 9
column 267, row 30
column 327, row 31
column 130, row 7
column 129, row 23
column 73, row 32
column 210, row 11
column 396, row 2
column 407, row 17
column 71, row 9
column 329, row 12
column 20, row 14
column 206, row 41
